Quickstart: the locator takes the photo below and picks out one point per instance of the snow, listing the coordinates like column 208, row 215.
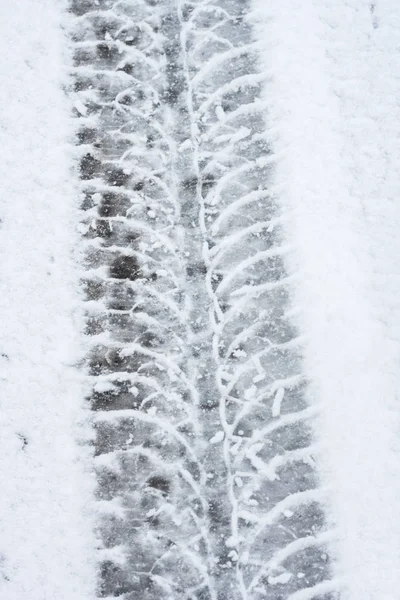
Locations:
column 46, row 544
column 217, row 438
column 333, row 107
column 332, row 76
column 277, row 403
column 284, row 578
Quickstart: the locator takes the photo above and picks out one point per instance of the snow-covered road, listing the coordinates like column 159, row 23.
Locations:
column 334, row 112
column 45, row 534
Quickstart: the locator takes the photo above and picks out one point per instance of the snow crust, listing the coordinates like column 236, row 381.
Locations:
column 46, row 542
column 333, row 97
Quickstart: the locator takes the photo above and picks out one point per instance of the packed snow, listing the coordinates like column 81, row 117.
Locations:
column 333, row 96
column 46, row 539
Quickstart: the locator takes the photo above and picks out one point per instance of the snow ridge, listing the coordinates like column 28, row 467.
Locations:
column 332, row 103
column 46, row 539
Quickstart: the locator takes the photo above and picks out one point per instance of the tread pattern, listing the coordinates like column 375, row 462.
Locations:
column 141, row 396
column 207, row 486
column 265, row 451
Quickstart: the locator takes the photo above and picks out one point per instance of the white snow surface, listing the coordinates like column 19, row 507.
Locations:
column 334, row 110
column 46, row 542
